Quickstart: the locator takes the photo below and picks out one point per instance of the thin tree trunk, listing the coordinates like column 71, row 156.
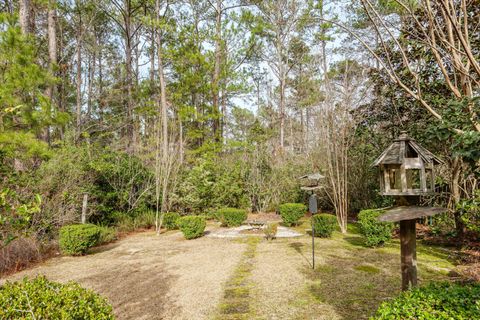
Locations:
column 164, row 128
column 91, row 78
column 100, row 103
column 130, row 132
column 52, row 54
column 151, row 120
column 216, row 74
column 79, row 79
column 456, row 168
column 24, row 16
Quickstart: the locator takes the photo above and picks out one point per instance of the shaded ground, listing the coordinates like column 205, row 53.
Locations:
column 167, row 277
column 150, row 277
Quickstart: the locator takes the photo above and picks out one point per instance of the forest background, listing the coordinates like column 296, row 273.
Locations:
column 127, row 109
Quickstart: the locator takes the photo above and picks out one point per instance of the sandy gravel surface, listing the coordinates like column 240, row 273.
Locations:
column 150, row 277
column 280, row 275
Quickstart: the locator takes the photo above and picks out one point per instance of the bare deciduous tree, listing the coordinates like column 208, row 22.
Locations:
column 346, row 88
column 443, row 28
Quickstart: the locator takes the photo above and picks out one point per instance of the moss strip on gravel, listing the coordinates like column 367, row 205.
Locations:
column 236, row 298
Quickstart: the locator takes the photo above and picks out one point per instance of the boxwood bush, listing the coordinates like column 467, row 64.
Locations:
column 76, row 239
column 292, row 212
column 170, row 220
column 375, row 232
column 324, row 224
column 192, row 226
column 231, row 217
column 436, row 301
column 40, row 298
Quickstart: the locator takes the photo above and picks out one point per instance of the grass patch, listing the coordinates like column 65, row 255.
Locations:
column 236, row 297
column 355, row 280
column 325, row 269
column 367, row 268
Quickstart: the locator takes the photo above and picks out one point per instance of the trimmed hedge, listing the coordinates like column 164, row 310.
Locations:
column 292, row 212
column 170, row 220
column 231, row 217
column 192, row 226
column 375, row 232
column 76, row 239
column 40, row 298
column 324, row 224
column 436, row 301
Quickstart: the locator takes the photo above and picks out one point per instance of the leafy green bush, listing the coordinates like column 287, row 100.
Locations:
column 231, row 217
column 211, row 183
column 144, row 219
column 192, row 226
column 121, row 183
column 170, row 220
column 375, row 232
column 128, row 222
column 436, row 301
column 209, row 215
column 324, row 224
column 43, row 299
column 292, row 212
column 107, row 235
column 76, row 239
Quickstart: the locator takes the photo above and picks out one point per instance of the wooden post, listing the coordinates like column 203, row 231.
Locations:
column 84, row 208
column 408, row 249
column 313, row 245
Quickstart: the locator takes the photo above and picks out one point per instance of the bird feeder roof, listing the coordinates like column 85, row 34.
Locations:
column 312, row 176
column 396, row 152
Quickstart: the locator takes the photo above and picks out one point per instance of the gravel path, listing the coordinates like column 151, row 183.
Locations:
column 281, row 282
column 150, row 277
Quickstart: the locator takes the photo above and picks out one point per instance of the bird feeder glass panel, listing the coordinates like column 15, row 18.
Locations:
column 406, row 168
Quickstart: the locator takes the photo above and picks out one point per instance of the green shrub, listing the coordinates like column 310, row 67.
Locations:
column 76, row 239
column 292, row 212
column 324, row 224
column 231, row 217
column 375, row 232
column 128, row 222
column 436, row 301
column 125, row 223
column 144, row 220
column 170, row 220
column 107, row 235
column 192, row 226
column 42, row 299
column 209, row 215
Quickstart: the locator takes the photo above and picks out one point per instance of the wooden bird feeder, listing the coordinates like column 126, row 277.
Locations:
column 311, row 182
column 407, row 171
column 406, row 168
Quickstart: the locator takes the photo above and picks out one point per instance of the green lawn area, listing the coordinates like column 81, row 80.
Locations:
column 353, row 279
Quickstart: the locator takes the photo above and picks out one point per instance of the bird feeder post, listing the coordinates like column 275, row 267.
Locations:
column 406, row 172
column 408, row 243
column 408, row 253
column 311, row 183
